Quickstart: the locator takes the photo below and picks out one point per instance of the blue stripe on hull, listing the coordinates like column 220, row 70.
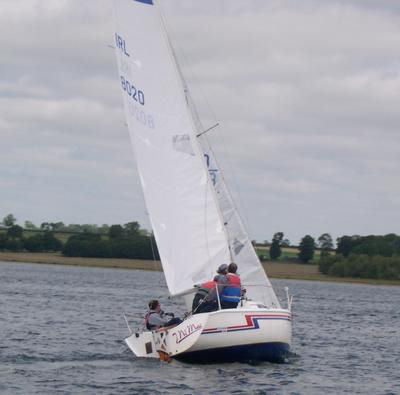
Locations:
column 272, row 352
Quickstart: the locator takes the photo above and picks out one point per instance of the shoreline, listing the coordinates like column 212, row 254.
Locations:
column 280, row 270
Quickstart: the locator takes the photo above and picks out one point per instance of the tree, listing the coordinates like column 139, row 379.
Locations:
column 275, row 249
column 57, row 226
column 306, row 249
column 132, row 229
column 29, row 225
column 346, row 243
column 15, row 232
column 50, row 242
column 104, row 229
column 325, row 243
column 9, row 220
column 45, row 226
column 115, row 231
column 74, row 228
column 89, row 228
column 3, row 241
column 285, row 243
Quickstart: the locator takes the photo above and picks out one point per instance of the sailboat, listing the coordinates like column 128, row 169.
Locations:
column 193, row 216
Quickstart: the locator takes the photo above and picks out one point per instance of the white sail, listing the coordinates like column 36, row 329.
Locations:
column 180, row 198
column 252, row 274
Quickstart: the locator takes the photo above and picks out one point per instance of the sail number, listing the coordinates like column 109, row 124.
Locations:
column 131, row 90
column 140, row 116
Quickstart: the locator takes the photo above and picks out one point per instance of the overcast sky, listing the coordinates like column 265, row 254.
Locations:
column 307, row 94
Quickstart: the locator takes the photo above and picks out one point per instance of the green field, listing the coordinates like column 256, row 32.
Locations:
column 288, row 253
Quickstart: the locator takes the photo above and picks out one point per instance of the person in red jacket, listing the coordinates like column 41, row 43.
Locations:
column 232, row 292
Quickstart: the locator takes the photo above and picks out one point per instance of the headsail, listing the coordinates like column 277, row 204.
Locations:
column 252, row 273
column 186, row 221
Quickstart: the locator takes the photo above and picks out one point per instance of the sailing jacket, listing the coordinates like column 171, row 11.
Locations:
column 232, row 291
column 154, row 320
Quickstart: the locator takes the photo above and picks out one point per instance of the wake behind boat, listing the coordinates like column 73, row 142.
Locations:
column 195, row 222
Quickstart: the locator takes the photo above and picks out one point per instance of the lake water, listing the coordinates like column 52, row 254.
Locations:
column 62, row 327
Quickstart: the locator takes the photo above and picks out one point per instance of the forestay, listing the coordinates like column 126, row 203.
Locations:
column 180, row 199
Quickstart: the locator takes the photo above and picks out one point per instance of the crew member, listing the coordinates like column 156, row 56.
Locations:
column 205, row 298
column 222, row 271
column 232, row 292
column 155, row 318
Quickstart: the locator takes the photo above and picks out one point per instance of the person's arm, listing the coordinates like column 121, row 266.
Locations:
column 157, row 320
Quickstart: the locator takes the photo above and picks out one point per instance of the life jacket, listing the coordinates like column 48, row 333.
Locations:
column 234, row 279
column 232, row 291
column 146, row 320
column 206, row 288
column 209, row 285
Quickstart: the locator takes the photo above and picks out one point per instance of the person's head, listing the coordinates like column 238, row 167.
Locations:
column 232, row 268
column 154, row 305
column 222, row 269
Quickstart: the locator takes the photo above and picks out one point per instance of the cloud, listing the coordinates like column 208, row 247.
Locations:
column 306, row 94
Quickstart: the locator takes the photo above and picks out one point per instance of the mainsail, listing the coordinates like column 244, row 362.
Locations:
column 194, row 221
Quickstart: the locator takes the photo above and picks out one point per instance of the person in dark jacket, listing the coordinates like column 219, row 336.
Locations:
column 155, row 318
column 205, row 299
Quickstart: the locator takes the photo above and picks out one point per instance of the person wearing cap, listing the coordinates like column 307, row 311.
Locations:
column 232, row 292
column 222, row 271
column 206, row 298
column 222, row 280
column 155, row 318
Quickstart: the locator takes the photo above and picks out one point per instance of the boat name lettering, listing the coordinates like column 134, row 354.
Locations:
column 121, row 44
column 182, row 334
column 131, row 91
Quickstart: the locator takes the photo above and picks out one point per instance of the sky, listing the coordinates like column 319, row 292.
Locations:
column 306, row 95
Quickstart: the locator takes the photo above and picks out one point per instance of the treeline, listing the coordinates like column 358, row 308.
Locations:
column 376, row 257
column 361, row 266
column 127, row 241
column 13, row 240
column 119, row 244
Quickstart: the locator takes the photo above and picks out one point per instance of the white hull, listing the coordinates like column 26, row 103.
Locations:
column 232, row 334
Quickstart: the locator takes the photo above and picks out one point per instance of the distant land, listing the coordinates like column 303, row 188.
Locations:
column 282, row 270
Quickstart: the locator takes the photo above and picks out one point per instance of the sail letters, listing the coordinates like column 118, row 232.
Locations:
column 121, row 44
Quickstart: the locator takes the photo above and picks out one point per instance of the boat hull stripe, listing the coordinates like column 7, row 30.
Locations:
column 251, row 323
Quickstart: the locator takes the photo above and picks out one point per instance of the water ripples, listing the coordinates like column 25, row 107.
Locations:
column 62, row 330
